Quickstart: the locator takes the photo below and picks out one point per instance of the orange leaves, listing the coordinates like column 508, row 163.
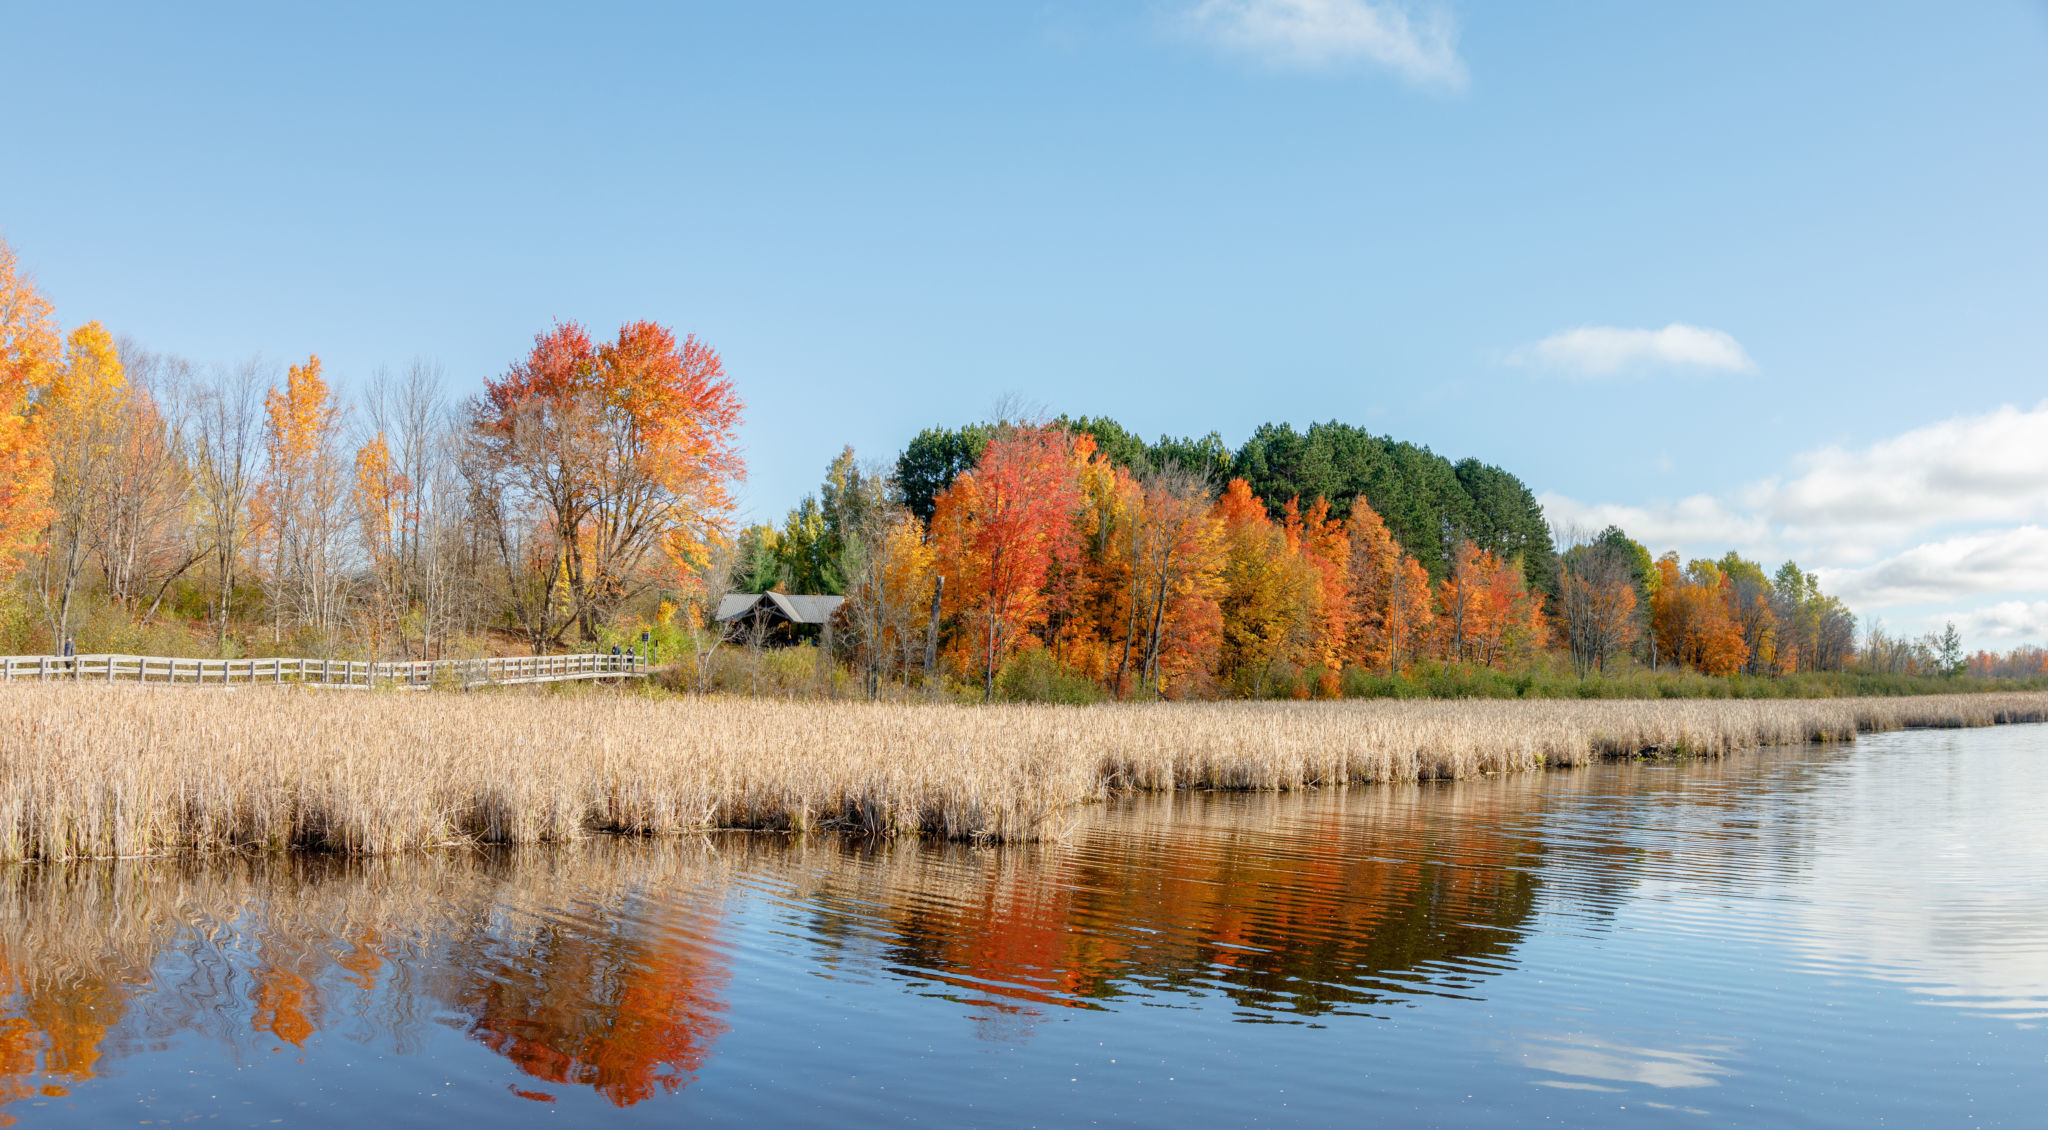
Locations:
column 1692, row 617
column 1393, row 617
column 299, row 417
column 1271, row 592
column 622, row 455
column 1596, row 610
column 997, row 531
column 680, row 398
column 1489, row 618
column 383, row 500
column 90, row 385
column 28, row 351
column 1321, row 541
column 301, row 423
column 665, row 408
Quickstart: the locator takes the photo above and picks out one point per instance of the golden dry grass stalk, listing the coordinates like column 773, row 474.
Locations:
column 116, row 771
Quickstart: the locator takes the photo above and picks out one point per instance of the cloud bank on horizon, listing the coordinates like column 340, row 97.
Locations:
column 1611, row 351
column 1420, row 45
column 1924, row 525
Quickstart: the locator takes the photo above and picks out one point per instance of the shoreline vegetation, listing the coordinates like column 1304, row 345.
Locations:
column 89, row 771
column 586, row 497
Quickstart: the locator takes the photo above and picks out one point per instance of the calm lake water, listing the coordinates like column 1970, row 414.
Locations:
column 1846, row 936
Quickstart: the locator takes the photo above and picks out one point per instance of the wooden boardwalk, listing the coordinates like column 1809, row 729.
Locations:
column 159, row 670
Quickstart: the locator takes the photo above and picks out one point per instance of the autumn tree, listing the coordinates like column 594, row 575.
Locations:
column 1488, row 617
column 80, row 411
column 713, row 576
column 997, row 531
column 888, row 593
column 299, row 506
column 382, row 498
column 1690, row 614
column 1174, row 546
column 1389, row 591
column 143, row 534
column 1749, row 596
column 29, row 351
column 1269, row 594
column 605, row 467
column 1321, row 542
column 1816, row 631
column 1596, row 607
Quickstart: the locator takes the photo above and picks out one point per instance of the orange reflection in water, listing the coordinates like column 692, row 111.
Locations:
column 604, row 965
column 569, row 970
column 1289, row 905
column 628, row 1015
column 1331, row 907
column 54, row 1029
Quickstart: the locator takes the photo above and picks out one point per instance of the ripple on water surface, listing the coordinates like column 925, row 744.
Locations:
column 1817, row 936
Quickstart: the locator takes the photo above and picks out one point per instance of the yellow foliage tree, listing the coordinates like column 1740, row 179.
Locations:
column 28, row 352
column 80, row 412
column 296, row 514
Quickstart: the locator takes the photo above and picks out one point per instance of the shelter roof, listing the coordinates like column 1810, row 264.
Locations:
column 797, row 608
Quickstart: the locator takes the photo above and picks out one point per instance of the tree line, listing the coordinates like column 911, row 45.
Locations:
column 141, row 494
column 1069, row 549
column 587, row 493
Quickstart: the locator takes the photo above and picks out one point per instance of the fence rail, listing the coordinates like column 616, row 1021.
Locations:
column 463, row 673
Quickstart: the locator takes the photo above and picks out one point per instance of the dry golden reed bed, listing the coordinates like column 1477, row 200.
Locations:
column 100, row 771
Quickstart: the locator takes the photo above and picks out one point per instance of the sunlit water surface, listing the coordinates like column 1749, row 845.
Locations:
column 1842, row 936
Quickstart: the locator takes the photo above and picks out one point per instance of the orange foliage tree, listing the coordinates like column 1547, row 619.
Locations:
column 296, row 514
column 996, row 533
column 620, row 458
column 1322, row 544
column 1175, row 549
column 1489, row 617
column 1269, row 594
column 80, row 412
column 1392, row 613
column 385, row 510
column 1596, row 611
column 28, row 352
column 1691, row 616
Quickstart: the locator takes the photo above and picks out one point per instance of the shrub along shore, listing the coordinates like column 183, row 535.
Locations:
column 98, row 771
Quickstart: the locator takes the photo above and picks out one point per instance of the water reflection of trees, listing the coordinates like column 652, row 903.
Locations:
column 604, row 989
column 605, row 966
column 1292, row 907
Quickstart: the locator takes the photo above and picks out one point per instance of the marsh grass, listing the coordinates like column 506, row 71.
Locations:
column 92, row 771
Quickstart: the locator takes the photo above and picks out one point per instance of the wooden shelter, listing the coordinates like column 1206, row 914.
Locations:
column 780, row 617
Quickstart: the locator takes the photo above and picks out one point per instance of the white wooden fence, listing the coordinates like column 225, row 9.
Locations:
column 465, row 673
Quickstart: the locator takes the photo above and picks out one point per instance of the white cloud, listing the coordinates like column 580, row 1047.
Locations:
column 1576, row 1053
column 1607, row 351
column 2009, row 620
column 1698, row 520
column 2007, row 560
column 1988, row 468
column 1421, row 47
column 1930, row 522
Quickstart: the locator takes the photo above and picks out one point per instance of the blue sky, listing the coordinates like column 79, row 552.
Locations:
column 1758, row 276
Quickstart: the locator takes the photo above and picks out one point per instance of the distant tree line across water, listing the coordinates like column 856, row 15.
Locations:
column 586, row 496
column 1300, row 563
